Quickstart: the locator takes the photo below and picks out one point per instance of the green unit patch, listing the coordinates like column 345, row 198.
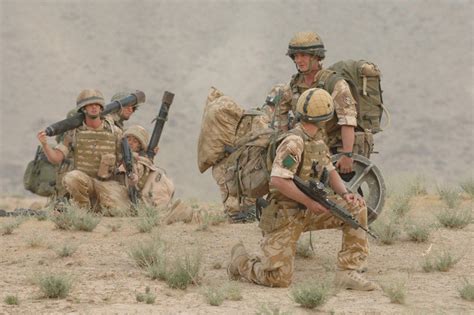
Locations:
column 289, row 161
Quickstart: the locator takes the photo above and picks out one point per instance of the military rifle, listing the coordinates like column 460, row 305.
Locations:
column 314, row 189
column 159, row 123
column 127, row 161
column 76, row 120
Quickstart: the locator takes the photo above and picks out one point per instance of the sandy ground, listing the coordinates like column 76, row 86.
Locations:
column 106, row 281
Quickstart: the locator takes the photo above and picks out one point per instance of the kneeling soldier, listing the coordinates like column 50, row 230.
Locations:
column 290, row 212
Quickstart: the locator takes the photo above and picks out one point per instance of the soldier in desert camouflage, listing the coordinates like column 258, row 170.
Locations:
column 307, row 51
column 290, row 212
column 125, row 113
column 95, row 147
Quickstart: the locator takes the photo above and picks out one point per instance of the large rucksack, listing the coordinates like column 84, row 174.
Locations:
column 363, row 78
column 40, row 175
column 223, row 123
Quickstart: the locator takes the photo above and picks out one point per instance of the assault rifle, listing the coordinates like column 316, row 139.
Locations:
column 77, row 119
column 315, row 190
column 127, row 161
column 159, row 123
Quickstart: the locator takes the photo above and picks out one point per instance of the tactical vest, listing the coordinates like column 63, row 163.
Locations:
column 90, row 146
column 315, row 154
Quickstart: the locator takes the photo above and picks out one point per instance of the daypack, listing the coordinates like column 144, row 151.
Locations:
column 223, row 123
column 363, row 78
column 40, row 175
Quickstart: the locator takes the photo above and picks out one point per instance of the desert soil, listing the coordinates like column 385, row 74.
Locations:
column 106, row 281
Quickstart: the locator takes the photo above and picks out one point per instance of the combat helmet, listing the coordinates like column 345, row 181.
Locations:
column 89, row 96
column 140, row 133
column 315, row 105
column 122, row 94
column 307, row 43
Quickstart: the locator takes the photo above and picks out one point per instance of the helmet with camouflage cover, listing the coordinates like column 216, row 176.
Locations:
column 122, row 94
column 315, row 105
column 307, row 43
column 140, row 133
column 89, row 96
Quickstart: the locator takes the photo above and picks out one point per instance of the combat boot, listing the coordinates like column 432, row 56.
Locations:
column 237, row 255
column 351, row 279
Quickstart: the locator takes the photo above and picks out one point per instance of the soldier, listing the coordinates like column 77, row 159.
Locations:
column 307, row 51
column 290, row 212
column 125, row 113
column 95, row 148
column 155, row 187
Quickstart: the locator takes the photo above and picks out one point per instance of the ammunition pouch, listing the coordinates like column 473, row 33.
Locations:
column 363, row 143
column 106, row 166
column 276, row 215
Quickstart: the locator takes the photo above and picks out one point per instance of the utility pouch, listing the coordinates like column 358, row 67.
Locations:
column 272, row 218
column 106, row 166
column 363, row 143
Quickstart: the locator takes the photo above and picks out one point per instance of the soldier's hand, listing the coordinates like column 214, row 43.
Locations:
column 344, row 164
column 133, row 179
column 42, row 137
column 156, row 150
column 317, row 208
column 354, row 199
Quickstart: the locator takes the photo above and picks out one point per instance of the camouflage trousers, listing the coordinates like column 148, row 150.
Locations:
column 231, row 204
column 90, row 193
column 274, row 266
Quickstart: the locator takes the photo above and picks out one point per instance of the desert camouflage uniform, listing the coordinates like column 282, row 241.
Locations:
column 344, row 106
column 284, row 220
column 156, row 188
column 83, row 184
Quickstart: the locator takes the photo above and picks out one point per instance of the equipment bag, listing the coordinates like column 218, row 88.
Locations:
column 40, row 175
column 363, row 78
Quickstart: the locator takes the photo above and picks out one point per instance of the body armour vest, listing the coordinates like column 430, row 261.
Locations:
column 315, row 155
column 91, row 145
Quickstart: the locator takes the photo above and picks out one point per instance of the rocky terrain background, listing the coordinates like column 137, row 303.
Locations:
column 50, row 50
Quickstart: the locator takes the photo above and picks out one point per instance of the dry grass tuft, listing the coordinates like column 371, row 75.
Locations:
column 455, row 218
column 468, row 187
column 148, row 253
column 74, row 218
column 396, row 292
column 147, row 297
column 66, row 250
column 450, row 195
column 214, row 296
column 467, row 291
column 310, row 294
column 303, row 248
column 418, row 232
column 388, row 231
column 11, row 300
column 148, row 218
column 185, row 271
column 54, row 286
column 7, row 228
column 440, row 262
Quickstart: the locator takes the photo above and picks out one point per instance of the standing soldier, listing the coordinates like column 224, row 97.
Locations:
column 95, row 147
column 290, row 212
column 307, row 51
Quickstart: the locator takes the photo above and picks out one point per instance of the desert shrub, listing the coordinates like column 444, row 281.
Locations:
column 74, row 218
column 269, row 309
column 148, row 253
column 232, row 291
column 185, row 271
column 310, row 294
column 66, row 250
column 55, row 286
column 455, row 218
column 11, row 300
column 158, row 270
column 401, row 204
column 417, row 186
column 214, row 296
column 468, row 187
column 36, row 241
column 147, row 297
column 418, row 231
column 450, row 196
column 396, row 292
column 440, row 262
column 387, row 231
column 148, row 218
column 8, row 227
column 467, row 291
column 303, row 248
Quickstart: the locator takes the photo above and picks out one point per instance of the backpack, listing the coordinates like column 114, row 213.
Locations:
column 223, row 123
column 363, row 78
column 40, row 175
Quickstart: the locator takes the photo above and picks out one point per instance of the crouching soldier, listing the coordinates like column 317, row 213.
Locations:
column 290, row 212
column 155, row 187
column 95, row 148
